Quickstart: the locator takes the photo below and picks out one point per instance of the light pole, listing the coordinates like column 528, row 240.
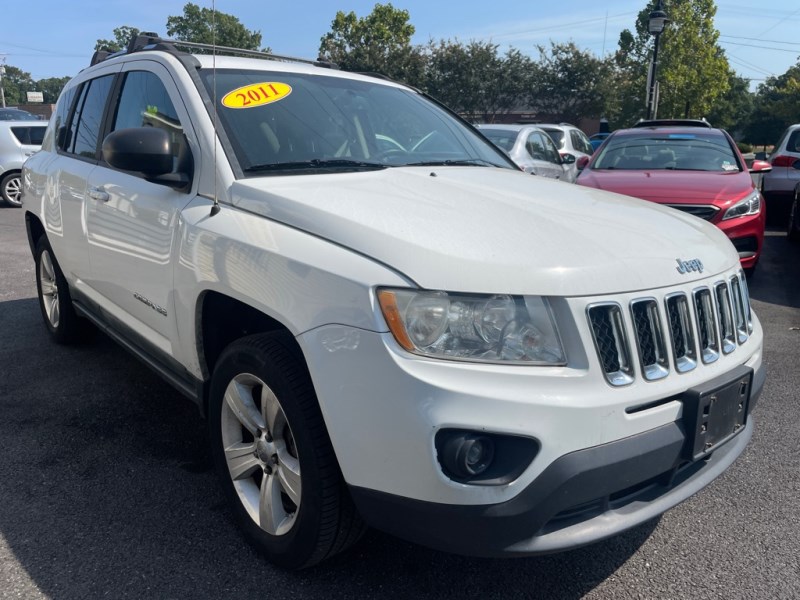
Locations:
column 656, row 23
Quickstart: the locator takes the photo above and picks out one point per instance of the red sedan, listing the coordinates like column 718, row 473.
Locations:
column 698, row 170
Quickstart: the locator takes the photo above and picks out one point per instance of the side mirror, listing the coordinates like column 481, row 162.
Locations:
column 144, row 149
column 147, row 150
column 760, row 166
column 582, row 162
column 567, row 158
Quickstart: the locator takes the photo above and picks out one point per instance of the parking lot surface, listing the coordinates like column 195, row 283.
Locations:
column 107, row 487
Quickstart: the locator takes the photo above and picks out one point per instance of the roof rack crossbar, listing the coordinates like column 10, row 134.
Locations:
column 150, row 41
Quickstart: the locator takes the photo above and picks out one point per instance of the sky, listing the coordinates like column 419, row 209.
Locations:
column 54, row 38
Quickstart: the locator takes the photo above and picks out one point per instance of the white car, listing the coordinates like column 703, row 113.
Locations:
column 530, row 148
column 18, row 141
column 571, row 142
column 383, row 319
column 781, row 184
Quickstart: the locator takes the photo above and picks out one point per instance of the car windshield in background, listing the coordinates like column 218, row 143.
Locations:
column 557, row 136
column 281, row 123
column 670, row 151
column 503, row 138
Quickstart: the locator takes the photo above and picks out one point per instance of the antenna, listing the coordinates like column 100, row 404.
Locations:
column 215, row 208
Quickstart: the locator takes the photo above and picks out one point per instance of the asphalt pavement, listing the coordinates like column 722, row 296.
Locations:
column 107, row 488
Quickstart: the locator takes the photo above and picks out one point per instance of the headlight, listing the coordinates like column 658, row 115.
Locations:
column 751, row 205
column 486, row 328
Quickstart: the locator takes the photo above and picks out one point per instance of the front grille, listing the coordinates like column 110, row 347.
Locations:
column 709, row 321
column 701, row 211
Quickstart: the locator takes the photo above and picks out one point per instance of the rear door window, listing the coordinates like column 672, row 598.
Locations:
column 90, row 118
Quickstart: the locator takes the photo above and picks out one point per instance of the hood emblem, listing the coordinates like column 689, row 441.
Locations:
column 685, row 266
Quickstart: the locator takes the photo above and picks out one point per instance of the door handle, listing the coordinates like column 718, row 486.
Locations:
column 98, row 194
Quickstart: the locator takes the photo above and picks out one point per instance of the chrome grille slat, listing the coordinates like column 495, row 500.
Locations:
column 650, row 339
column 706, row 325
column 611, row 342
column 739, row 313
column 725, row 315
column 682, row 334
column 711, row 321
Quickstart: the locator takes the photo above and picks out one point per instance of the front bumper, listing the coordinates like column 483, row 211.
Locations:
column 581, row 498
column 747, row 236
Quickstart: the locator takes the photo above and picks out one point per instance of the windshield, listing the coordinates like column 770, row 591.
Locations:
column 707, row 151
column 293, row 122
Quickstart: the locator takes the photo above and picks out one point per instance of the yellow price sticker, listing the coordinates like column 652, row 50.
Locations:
column 256, row 94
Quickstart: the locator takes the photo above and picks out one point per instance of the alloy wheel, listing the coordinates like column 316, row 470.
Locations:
column 260, row 453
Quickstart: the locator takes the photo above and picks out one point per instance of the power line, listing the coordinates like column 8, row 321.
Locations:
column 778, row 22
column 762, row 47
column 738, row 37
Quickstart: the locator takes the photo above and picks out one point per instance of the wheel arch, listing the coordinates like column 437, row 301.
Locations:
column 35, row 230
column 220, row 320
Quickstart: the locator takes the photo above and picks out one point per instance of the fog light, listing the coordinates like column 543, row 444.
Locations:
column 467, row 454
column 482, row 457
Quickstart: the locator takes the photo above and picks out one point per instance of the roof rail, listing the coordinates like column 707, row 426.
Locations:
column 672, row 123
column 151, row 41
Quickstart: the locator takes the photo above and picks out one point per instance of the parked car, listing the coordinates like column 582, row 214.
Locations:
column 597, row 139
column 383, row 319
column 696, row 169
column 16, row 114
column 779, row 184
column 18, row 141
column 571, row 142
column 531, row 148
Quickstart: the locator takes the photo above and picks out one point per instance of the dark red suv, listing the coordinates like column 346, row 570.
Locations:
column 693, row 168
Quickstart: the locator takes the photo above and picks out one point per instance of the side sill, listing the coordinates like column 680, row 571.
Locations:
column 165, row 366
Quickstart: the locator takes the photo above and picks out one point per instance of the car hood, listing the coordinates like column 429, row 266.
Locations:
column 485, row 230
column 673, row 187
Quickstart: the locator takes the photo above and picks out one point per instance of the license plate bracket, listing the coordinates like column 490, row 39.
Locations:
column 716, row 411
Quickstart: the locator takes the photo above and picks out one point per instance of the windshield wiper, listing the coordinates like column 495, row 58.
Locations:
column 314, row 164
column 477, row 162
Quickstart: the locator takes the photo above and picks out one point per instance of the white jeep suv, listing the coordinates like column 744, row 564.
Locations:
column 383, row 319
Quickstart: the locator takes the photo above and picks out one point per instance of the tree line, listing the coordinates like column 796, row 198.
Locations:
column 559, row 80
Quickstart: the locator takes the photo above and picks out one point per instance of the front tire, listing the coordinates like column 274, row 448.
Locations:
column 272, row 451
column 11, row 189
column 54, row 298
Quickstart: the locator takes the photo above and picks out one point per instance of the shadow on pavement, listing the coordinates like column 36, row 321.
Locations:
column 778, row 273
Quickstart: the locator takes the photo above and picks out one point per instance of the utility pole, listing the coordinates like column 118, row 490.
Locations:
column 2, row 90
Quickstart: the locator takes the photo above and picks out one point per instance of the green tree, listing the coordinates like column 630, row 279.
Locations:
column 205, row 26
column 16, row 84
column 51, row 88
column 570, row 82
column 692, row 67
column 122, row 35
column 733, row 109
column 379, row 43
column 473, row 79
column 776, row 107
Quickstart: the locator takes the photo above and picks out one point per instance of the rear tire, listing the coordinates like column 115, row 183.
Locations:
column 54, row 298
column 274, row 456
column 11, row 189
